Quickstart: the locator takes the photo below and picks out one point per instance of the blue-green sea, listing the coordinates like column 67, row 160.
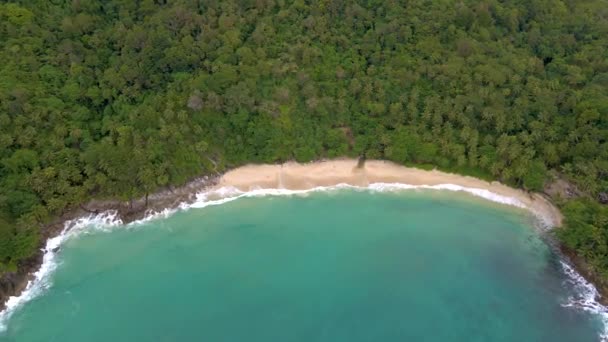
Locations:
column 334, row 266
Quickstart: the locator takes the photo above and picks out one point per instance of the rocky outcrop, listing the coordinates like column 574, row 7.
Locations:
column 561, row 188
column 603, row 197
column 13, row 283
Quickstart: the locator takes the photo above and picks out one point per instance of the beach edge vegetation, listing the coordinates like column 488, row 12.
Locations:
column 122, row 98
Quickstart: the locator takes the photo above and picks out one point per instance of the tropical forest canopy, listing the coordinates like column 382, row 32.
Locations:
column 118, row 98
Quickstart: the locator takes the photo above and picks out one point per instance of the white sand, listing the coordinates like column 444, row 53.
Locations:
column 296, row 176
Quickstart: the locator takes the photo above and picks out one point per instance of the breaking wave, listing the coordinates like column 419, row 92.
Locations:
column 586, row 298
column 41, row 279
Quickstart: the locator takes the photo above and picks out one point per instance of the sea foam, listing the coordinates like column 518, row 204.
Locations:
column 41, row 279
column 586, row 297
column 586, row 300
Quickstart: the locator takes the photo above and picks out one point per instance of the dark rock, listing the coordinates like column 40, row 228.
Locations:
column 603, row 197
column 13, row 283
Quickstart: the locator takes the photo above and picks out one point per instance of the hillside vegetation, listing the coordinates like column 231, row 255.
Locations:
column 117, row 98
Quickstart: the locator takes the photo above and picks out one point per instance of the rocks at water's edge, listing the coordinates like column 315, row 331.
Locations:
column 13, row 283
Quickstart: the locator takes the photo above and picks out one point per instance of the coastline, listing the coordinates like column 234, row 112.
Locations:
column 295, row 176
column 288, row 176
column 13, row 284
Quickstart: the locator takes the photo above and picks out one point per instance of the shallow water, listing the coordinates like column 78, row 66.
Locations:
column 329, row 266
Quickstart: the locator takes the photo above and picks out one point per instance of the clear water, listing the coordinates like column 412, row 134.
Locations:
column 338, row 266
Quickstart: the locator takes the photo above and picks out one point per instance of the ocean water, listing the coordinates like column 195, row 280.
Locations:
column 333, row 266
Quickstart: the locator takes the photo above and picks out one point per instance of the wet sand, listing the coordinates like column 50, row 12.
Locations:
column 294, row 176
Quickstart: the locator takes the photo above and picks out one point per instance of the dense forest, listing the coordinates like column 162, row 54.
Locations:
column 118, row 98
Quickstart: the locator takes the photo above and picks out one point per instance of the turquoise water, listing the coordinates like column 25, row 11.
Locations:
column 339, row 266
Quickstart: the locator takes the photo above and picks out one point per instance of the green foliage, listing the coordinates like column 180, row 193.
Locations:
column 6, row 244
column 535, row 176
column 118, row 98
column 15, row 15
column 586, row 232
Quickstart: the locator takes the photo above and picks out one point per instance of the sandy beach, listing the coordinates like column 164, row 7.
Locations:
column 296, row 176
column 291, row 176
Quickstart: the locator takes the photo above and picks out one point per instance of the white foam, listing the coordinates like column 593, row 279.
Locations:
column 586, row 297
column 105, row 221
column 483, row 193
column 41, row 278
column 151, row 215
column 230, row 193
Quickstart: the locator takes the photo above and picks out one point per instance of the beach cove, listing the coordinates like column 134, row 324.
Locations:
column 295, row 176
column 380, row 176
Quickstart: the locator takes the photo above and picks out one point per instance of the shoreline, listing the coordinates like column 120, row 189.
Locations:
column 13, row 284
column 295, row 176
column 288, row 176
